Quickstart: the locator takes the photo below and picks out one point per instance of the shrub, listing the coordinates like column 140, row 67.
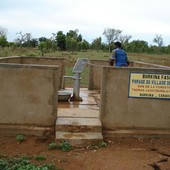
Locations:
column 52, row 145
column 64, row 146
column 23, row 163
column 20, row 138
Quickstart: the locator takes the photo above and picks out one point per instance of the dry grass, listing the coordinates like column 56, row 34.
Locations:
column 71, row 58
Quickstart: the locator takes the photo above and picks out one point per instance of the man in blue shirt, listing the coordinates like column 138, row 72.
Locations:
column 119, row 56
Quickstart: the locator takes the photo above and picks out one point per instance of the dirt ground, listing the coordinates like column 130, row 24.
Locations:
column 119, row 154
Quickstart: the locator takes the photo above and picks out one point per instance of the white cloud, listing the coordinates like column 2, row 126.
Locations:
column 43, row 17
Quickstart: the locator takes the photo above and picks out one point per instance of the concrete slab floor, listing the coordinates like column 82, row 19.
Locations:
column 83, row 113
column 88, row 107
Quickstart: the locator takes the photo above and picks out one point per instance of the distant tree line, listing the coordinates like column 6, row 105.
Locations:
column 73, row 41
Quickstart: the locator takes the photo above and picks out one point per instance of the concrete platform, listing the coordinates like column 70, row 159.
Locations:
column 91, row 112
column 79, row 139
column 78, row 121
column 89, row 99
column 76, row 124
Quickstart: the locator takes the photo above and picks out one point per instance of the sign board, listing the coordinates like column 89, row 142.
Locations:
column 145, row 85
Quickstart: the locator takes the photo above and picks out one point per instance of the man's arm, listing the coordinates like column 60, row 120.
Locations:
column 113, row 54
column 112, row 58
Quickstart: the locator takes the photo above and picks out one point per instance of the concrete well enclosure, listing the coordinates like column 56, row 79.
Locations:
column 29, row 94
column 60, row 62
column 118, row 111
column 95, row 71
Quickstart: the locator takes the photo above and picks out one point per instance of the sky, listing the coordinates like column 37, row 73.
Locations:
column 142, row 19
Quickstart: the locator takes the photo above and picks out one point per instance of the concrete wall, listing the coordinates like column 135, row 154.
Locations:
column 95, row 71
column 28, row 94
column 118, row 111
column 146, row 65
column 40, row 61
column 14, row 59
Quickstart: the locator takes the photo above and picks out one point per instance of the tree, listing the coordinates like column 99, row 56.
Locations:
column 3, row 41
column 137, row 46
column 42, row 47
column 71, row 44
column 23, row 39
column 42, row 39
column 46, row 45
column 33, row 42
column 61, row 40
column 79, row 38
column 74, row 34
column 85, row 45
column 111, row 35
column 124, row 39
column 97, row 43
column 3, row 31
column 73, row 40
column 53, row 42
column 158, row 40
column 3, row 37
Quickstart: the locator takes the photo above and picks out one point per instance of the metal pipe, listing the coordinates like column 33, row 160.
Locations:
column 76, row 87
column 77, row 70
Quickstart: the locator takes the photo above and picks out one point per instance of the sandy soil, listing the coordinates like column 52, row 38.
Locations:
column 119, row 154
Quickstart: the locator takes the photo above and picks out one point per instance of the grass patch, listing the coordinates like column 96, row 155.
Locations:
column 64, row 146
column 23, row 163
column 20, row 138
column 71, row 58
column 40, row 158
column 99, row 145
column 52, row 145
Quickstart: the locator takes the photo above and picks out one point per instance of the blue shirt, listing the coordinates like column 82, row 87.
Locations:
column 120, row 57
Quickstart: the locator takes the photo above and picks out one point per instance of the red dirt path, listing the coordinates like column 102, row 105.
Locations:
column 120, row 154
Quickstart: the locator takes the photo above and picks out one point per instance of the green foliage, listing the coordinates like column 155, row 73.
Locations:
column 20, row 138
column 64, row 146
column 137, row 46
column 71, row 44
column 73, row 41
column 3, row 164
column 61, row 40
column 158, row 40
column 42, row 47
column 99, row 145
column 3, row 41
column 52, row 145
column 23, row 163
column 102, row 144
column 4, row 52
column 96, row 44
column 85, row 45
column 40, row 158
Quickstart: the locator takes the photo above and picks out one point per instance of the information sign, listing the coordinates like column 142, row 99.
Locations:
column 145, row 85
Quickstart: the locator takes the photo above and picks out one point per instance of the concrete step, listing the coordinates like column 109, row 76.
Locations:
column 92, row 111
column 78, row 122
column 66, row 124
column 79, row 139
